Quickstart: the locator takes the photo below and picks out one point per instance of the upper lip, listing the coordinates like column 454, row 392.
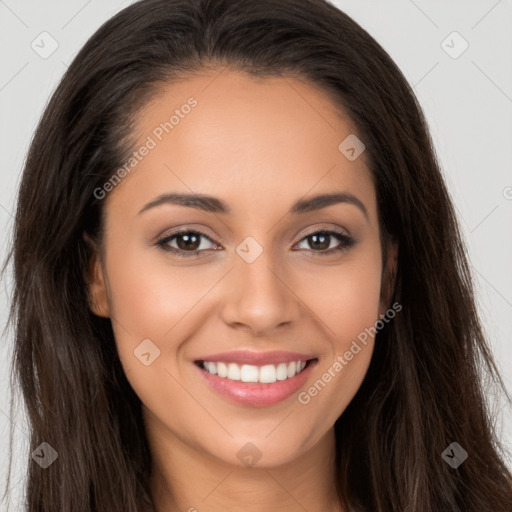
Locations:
column 256, row 358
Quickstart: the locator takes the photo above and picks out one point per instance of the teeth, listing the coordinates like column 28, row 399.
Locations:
column 222, row 370
column 233, row 371
column 249, row 373
column 266, row 374
column 282, row 371
column 212, row 368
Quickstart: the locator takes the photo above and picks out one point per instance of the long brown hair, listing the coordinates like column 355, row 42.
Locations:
column 426, row 385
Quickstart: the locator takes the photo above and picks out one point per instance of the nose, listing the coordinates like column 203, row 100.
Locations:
column 258, row 298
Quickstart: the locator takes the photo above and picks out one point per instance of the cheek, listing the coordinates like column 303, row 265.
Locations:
column 345, row 298
column 152, row 309
column 149, row 301
column 148, row 296
column 346, row 303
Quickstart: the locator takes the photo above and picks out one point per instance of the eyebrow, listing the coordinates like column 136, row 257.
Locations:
column 215, row 205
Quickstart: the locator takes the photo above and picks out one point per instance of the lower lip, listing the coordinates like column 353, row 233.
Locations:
column 257, row 394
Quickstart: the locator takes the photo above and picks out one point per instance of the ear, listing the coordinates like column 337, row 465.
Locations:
column 388, row 277
column 95, row 279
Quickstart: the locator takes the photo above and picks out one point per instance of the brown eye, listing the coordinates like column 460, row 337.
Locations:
column 320, row 242
column 187, row 243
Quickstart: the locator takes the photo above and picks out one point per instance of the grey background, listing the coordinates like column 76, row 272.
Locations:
column 467, row 101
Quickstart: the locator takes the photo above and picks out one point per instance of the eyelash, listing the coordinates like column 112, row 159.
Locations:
column 345, row 242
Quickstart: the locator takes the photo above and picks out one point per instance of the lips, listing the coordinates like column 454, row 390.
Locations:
column 263, row 387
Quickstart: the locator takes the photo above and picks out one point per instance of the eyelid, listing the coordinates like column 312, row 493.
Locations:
column 337, row 229
column 187, row 228
column 163, row 241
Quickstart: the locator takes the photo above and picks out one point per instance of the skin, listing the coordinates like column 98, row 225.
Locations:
column 259, row 145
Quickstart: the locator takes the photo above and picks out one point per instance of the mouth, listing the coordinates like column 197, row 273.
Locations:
column 266, row 374
column 256, row 385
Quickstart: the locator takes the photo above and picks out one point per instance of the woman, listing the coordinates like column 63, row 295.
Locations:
column 239, row 279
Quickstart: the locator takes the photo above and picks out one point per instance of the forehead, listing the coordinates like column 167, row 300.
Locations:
column 229, row 133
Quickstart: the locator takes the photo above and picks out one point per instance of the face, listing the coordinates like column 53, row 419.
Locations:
column 248, row 274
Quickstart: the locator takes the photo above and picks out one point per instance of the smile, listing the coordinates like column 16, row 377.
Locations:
column 256, row 379
column 266, row 374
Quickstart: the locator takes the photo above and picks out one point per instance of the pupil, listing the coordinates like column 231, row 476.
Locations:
column 189, row 241
column 321, row 245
